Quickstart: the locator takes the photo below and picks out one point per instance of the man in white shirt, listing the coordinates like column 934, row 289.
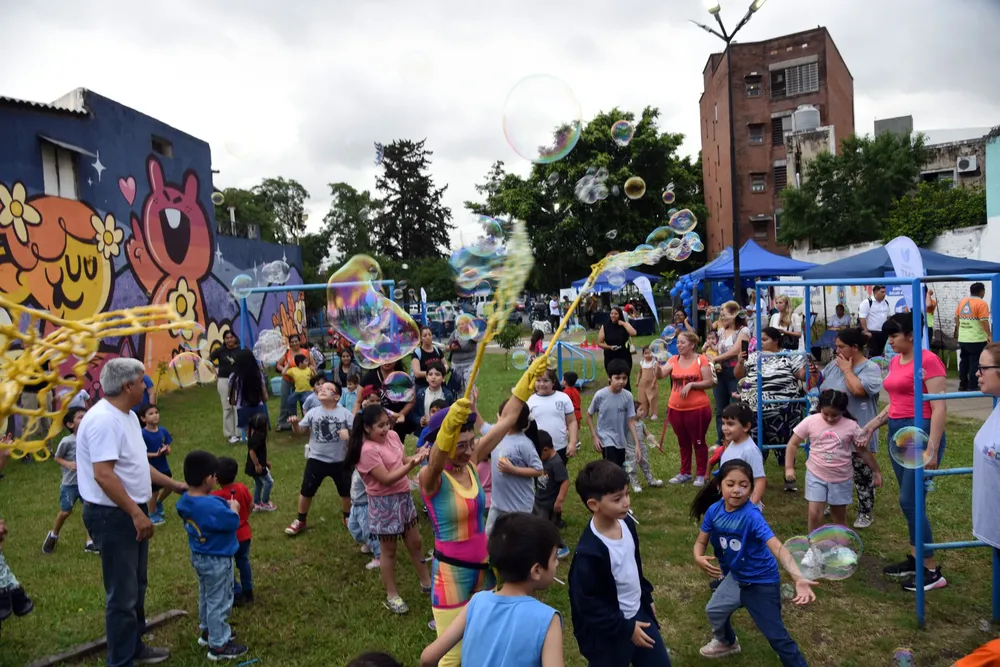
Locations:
column 115, row 482
column 872, row 314
column 554, row 313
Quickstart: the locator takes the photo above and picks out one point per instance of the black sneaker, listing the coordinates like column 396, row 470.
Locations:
column 49, row 545
column 227, row 652
column 151, row 655
column 203, row 639
column 20, row 602
column 715, row 583
column 791, row 486
column 91, row 548
column 901, row 570
column 932, row 579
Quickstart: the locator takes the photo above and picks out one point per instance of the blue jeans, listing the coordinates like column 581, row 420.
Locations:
column 906, row 479
column 123, row 566
column 215, row 596
column 283, row 413
column 262, row 488
column 296, row 399
column 723, row 391
column 357, row 523
column 624, row 653
column 242, row 558
column 763, row 602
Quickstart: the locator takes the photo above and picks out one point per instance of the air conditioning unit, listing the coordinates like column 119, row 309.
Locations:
column 965, row 164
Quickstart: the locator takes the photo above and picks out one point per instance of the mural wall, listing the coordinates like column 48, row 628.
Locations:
column 134, row 237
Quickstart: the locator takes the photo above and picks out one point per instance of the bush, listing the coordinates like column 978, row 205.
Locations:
column 934, row 208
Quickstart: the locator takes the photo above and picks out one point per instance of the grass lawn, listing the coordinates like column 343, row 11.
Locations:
column 317, row 605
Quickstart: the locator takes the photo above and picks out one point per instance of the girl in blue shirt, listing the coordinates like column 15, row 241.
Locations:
column 748, row 554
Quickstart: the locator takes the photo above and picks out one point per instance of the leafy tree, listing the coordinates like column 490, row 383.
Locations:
column 412, row 222
column 508, row 338
column 349, row 222
column 847, row 197
column 432, row 273
column 286, row 200
column 315, row 250
column 934, row 208
column 561, row 227
column 250, row 209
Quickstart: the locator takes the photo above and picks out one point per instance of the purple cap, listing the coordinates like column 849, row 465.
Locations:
column 429, row 434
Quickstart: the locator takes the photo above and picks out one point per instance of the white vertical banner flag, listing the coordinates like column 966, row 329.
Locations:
column 642, row 284
column 907, row 263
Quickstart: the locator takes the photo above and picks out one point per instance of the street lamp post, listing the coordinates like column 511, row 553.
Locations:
column 713, row 8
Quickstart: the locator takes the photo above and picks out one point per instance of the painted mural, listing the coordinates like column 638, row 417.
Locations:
column 75, row 260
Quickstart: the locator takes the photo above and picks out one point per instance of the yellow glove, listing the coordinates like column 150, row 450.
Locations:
column 525, row 387
column 458, row 414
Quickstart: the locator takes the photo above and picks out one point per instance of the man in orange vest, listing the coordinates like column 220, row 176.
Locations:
column 972, row 330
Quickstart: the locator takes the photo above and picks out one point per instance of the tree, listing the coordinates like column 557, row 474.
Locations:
column 349, row 222
column 847, row 198
column 286, row 200
column 250, row 208
column 412, row 222
column 561, row 227
column 934, row 208
column 315, row 250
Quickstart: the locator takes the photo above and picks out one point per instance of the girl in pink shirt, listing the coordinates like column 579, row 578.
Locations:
column 833, row 437
column 377, row 453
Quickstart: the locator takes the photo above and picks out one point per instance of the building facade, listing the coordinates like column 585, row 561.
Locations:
column 104, row 208
column 770, row 80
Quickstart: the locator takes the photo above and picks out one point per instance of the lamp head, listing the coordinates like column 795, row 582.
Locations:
column 756, row 5
column 712, row 6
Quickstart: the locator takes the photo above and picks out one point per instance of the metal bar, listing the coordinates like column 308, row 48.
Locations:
column 947, row 472
column 807, row 329
column 784, row 401
column 996, row 572
column 317, row 286
column 918, row 478
column 942, row 546
column 243, row 323
column 954, row 394
column 759, row 326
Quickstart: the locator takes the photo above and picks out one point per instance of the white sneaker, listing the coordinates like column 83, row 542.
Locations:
column 365, row 549
column 373, row 564
column 233, row 439
column 656, row 483
column 699, row 481
column 653, row 418
column 680, row 479
column 636, row 488
column 717, row 649
column 863, row 521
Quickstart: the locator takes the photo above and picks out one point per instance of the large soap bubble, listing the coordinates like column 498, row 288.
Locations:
column 398, row 387
column 683, row 221
column 241, row 286
column 270, row 346
column 189, row 369
column 542, row 119
column 622, row 132
column 829, row 552
column 277, row 272
column 909, row 447
column 635, row 187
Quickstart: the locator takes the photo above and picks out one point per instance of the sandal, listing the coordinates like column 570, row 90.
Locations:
column 396, row 605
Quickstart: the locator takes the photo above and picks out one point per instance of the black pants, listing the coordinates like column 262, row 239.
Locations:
column 614, row 454
column 554, row 321
column 123, row 565
column 876, row 344
column 968, row 365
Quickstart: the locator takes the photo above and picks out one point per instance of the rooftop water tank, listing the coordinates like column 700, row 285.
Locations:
column 806, row 117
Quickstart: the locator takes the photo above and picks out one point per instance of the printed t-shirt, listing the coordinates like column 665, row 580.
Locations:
column 830, row 446
column 971, row 313
column 986, row 481
column 899, row 385
column 680, row 376
column 324, row 433
column 547, row 486
column 550, row 413
column 740, row 542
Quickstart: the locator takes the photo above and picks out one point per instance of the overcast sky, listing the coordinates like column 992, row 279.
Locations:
column 302, row 88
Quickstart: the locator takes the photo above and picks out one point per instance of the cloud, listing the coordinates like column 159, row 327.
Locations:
column 306, row 87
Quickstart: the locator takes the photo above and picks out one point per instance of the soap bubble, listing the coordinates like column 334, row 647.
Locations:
column 241, row 286
column 611, row 235
column 622, row 132
column 668, row 332
column 615, row 190
column 552, row 363
column 635, row 187
column 683, row 221
column 277, row 272
column 602, row 174
column 903, row 657
column 397, row 294
column 615, row 277
column 467, row 327
column 590, row 251
column 669, row 196
column 658, row 348
column 519, row 359
column 188, row 369
column 909, row 447
column 591, row 171
column 659, row 235
column 746, row 384
column 883, row 365
column 671, row 211
column 807, row 560
column 670, row 185
column 405, row 267
column 270, row 346
column 838, row 549
column 218, row 198
column 398, row 387
column 194, row 338
column 542, row 119
column 553, row 178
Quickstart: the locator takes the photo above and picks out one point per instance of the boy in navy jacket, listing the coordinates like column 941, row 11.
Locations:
column 611, row 602
column 211, row 524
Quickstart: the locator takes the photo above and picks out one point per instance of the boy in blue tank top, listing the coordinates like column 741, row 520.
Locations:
column 510, row 628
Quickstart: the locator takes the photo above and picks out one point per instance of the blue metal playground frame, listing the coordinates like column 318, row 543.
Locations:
column 919, row 397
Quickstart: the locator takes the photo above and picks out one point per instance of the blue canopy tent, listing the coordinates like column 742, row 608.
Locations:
column 755, row 262
column 601, row 285
column 875, row 263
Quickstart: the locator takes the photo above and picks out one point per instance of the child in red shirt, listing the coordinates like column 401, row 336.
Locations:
column 233, row 490
column 569, row 388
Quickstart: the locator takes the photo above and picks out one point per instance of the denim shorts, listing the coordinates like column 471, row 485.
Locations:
column 831, row 493
column 69, row 494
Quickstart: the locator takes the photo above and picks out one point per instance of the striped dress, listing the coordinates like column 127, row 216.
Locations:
column 458, row 517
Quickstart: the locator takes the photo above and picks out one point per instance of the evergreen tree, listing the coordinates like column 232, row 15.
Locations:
column 348, row 224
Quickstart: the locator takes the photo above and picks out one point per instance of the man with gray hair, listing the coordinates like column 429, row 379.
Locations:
column 115, row 481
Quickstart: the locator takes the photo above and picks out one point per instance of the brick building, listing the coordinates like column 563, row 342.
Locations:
column 770, row 80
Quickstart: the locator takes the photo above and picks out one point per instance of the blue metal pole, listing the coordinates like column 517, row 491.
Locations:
column 996, row 581
column 759, row 363
column 316, row 286
column 243, row 324
column 807, row 330
column 918, row 478
column 559, row 370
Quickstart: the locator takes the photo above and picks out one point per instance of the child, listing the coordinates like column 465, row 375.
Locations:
column 377, row 453
column 368, row 397
column 425, row 396
column 569, row 388
column 158, row 440
column 78, row 399
column 13, row 599
column 69, row 493
column 233, row 490
column 614, row 618
column 616, row 415
column 299, row 375
column 357, row 523
column 349, row 396
column 510, row 628
column 148, row 395
column 312, row 400
column 514, row 464
column 832, row 435
column 648, row 388
column 736, row 424
column 258, row 467
column 211, row 525
column 535, row 347
column 633, row 462
column 551, row 487
column 711, row 347
column 748, row 553
column 329, row 427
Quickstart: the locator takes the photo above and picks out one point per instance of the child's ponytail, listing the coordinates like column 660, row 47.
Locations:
column 711, row 493
column 531, row 432
column 833, row 398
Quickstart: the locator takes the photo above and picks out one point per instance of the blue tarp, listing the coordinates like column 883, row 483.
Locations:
column 755, row 262
column 875, row 263
column 601, row 285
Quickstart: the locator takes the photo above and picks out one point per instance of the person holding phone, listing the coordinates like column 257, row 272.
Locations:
column 613, row 338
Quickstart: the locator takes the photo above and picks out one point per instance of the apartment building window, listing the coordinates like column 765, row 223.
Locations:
column 777, row 222
column 58, row 171
column 779, row 126
column 780, row 175
column 753, row 85
column 756, row 131
column 758, row 182
column 795, row 80
column 162, row 146
column 760, row 232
